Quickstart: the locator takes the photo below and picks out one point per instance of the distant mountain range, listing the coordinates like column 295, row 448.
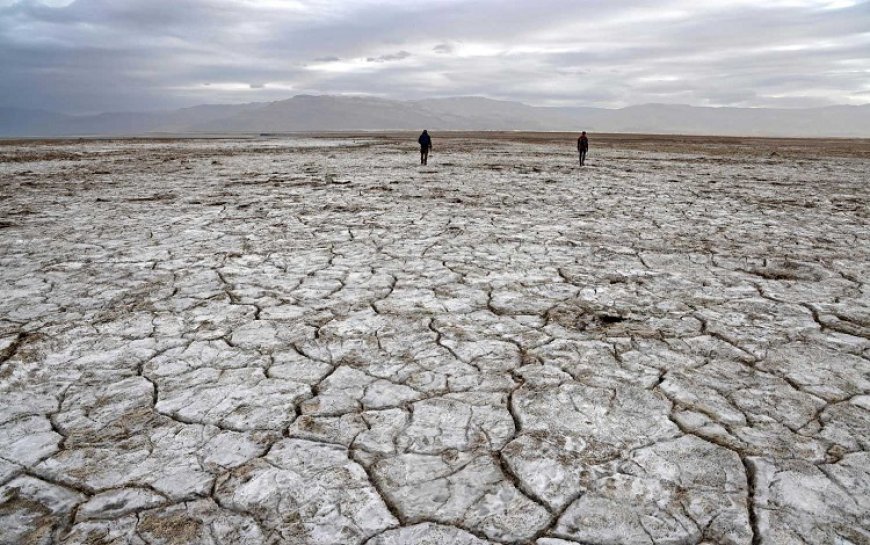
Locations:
column 306, row 113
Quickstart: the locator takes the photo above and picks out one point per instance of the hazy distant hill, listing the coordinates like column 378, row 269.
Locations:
column 18, row 122
column 673, row 118
column 22, row 122
column 336, row 113
column 328, row 113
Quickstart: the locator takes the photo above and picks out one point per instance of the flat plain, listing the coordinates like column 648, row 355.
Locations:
column 312, row 340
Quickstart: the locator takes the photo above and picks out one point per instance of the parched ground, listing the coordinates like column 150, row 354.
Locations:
column 315, row 341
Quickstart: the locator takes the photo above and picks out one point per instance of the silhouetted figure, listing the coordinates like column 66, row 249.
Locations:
column 582, row 147
column 425, row 145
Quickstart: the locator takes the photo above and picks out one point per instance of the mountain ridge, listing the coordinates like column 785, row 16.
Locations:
column 312, row 113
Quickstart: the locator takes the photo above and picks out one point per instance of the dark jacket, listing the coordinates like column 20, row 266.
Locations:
column 425, row 141
column 583, row 144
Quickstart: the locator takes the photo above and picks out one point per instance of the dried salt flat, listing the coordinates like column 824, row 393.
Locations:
column 312, row 341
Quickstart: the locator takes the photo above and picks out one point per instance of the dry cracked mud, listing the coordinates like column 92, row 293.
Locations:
column 314, row 341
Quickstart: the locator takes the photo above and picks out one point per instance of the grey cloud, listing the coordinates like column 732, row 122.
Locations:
column 145, row 54
column 390, row 57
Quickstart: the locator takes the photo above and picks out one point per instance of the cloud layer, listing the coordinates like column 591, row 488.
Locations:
column 99, row 55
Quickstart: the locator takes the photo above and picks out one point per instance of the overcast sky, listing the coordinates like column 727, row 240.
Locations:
column 100, row 55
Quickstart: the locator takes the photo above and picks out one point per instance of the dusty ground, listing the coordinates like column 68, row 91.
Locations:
column 314, row 341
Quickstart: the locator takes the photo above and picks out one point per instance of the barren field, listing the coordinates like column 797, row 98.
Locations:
column 314, row 341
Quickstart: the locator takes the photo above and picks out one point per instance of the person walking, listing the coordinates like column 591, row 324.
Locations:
column 425, row 142
column 582, row 147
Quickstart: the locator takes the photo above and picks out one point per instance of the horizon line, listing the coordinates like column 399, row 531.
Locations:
column 433, row 98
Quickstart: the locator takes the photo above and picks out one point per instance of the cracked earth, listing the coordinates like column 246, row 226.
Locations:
column 313, row 341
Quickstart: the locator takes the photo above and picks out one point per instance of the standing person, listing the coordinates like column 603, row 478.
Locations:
column 582, row 147
column 425, row 145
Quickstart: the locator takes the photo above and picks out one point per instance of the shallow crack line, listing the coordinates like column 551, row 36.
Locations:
column 413, row 521
column 17, row 472
column 565, row 278
column 518, row 483
column 649, row 535
column 439, row 342
column 289, row 435
column 9, row 352
column 167, row 502
column 315, row 389
column 154, row 393
column 234, row 300
column 754, row 361
column 137, row 532
column 705, row 330
column 512, row 409
column 749, row 471
column 834, row 479
column 817, row 416
column 81, row 488
column 642, row 260
column 219, row 425
column 750, row 500
column 391, row 507
column 261, row 523
column 550, row 530
column 489, row 305
column 52, row 418
column 845, row 324
column 815, row 314
column 515, row 479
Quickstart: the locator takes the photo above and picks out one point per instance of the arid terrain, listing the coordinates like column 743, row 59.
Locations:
column 315, row 341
